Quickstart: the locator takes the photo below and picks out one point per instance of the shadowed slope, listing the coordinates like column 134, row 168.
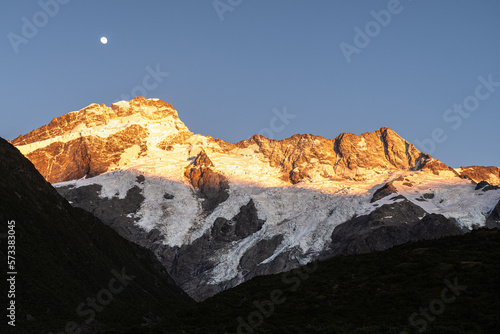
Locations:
column 369, row 293
column 64, row 256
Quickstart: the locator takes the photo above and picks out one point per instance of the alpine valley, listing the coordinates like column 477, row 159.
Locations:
column 216, row 214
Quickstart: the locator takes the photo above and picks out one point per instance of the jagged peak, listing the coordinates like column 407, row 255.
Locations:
column 138, row 105
column 386, row 130
column 154, row 124
column 202, row 160
column 95, row 115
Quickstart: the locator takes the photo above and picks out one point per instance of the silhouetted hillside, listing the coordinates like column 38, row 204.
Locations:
column 71, row 268
column 369, row 293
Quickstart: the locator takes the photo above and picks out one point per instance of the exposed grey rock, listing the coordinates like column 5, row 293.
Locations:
column 115, row 212
column 390, row 225
column 189, row 265
column 283, row 262
column 485, row 186
column 493, row 220
column 481, row 185
column 385, row 191
column 425, row 197
column 244, row 224
column 168, row 196
column 258, row 253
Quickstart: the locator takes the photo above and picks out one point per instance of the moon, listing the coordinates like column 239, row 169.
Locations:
column 104, row 40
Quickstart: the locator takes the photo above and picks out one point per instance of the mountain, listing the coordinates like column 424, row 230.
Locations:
column 217, row 214
column 98, row 139
column 72, row 269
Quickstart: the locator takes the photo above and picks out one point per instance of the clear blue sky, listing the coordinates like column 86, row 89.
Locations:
column 226, row 76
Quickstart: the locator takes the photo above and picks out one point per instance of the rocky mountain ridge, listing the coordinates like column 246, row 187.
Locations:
column 217, row 214
column 98, row 139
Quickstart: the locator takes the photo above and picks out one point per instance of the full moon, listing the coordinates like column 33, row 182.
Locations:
column 104, row 40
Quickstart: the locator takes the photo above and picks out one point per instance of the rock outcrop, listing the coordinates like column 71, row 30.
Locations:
column 485, row 186
column 117, row 213
column 390, row 225
column 493, row 220
column 212, row 187
column 244, row 224
column 386, row 190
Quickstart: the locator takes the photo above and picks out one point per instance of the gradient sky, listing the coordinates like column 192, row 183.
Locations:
column 227, row 76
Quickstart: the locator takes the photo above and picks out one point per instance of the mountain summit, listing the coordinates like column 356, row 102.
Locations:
column 98, row 138
column 217, row 213
column 131, row 135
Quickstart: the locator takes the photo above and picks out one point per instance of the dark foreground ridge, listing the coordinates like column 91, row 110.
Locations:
column 72, row 270
column 448, row 285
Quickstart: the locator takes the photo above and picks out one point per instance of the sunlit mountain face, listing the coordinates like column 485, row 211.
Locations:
column 217, row 213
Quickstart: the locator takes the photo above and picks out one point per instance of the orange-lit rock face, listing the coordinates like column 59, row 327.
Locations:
column 481, row 173
column 86, row 156
column 347, row 156
column 98, row 138
column 97, row 115
column 91, row 141
column 212, row 186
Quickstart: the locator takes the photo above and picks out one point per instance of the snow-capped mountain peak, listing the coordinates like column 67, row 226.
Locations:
column 147, row 135
column 217, row 213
